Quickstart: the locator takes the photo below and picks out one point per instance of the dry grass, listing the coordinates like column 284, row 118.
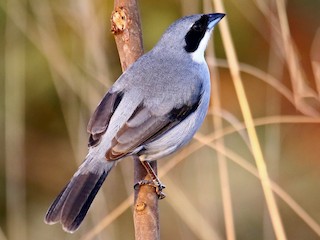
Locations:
column 209, row 197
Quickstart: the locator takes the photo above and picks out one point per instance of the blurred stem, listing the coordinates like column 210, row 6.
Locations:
column 245, row 165
column 2, row 236
column 190, row 214
column 300, row 87
column 315, row 60
column 223, row 168
column 246, row 112
column 272, row 132
column 15, row 129
column 217, row 124
column 126, row 27
column 276, row 188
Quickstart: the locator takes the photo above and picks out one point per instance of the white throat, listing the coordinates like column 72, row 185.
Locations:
column 198, row 55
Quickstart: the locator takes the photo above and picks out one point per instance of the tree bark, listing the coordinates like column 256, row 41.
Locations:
column 126, row 28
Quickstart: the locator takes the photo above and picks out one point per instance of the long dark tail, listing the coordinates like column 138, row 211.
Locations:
column 72, row 204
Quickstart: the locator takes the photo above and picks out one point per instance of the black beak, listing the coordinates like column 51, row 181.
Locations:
column 214, row 18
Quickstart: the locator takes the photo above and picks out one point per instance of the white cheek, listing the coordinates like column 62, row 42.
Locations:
column 198, row 55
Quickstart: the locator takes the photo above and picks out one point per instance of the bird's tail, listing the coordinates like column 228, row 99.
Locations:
column 72, row 204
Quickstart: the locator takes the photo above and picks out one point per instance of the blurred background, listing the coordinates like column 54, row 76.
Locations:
column 57, row 60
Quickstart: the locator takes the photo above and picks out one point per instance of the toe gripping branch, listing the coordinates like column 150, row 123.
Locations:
column 154, row 182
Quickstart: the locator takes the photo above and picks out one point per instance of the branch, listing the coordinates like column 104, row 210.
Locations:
column 126, row 28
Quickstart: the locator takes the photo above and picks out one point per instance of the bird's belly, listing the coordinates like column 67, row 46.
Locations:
column 177, row 137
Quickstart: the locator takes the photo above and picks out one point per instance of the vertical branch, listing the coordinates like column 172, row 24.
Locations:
column 146, row 213
column 126, row 28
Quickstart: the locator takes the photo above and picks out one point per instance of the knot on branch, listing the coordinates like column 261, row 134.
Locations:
column 141, row 206
column 119, row 20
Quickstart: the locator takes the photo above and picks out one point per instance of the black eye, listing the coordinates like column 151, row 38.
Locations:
column 197, row 27
column 196, row 33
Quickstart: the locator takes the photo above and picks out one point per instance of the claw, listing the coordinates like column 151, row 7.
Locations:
column 160, row 194
column 155, row 182
column 143, row 182
column 157, row 185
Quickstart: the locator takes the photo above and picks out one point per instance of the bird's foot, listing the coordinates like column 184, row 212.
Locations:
column 154, row 183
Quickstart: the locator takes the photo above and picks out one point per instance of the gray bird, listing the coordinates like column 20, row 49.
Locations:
column 151, row 111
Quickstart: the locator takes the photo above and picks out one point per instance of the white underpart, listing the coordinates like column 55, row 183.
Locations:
column 198, row 55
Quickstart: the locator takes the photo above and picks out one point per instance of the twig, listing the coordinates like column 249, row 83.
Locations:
column 126, row 28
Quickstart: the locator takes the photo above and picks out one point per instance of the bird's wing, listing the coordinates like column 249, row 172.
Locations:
column 144, row 126
column 100, row 119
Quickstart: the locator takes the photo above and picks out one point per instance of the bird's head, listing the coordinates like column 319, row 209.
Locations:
column 189, row 35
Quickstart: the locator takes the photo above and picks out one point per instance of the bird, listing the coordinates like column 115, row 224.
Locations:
column 151, row 111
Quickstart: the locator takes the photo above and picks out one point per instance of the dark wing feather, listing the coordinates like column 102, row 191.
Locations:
column 100, row 119
column 140, row 127
column 143, row 127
